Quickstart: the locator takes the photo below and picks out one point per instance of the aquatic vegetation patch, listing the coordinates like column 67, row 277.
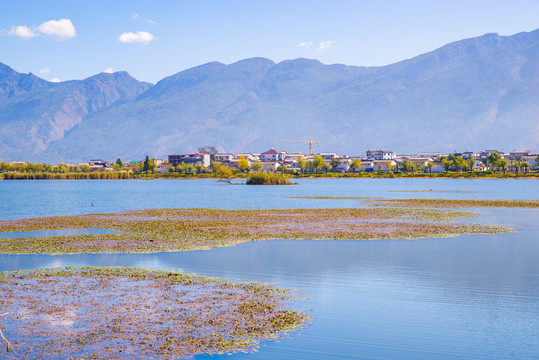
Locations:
column 453, row 203
column 332, row 197
column 436, row 191
column 122, row 313
column 159, row 230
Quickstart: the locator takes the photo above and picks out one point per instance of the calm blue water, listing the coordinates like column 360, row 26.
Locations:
column 471, row 297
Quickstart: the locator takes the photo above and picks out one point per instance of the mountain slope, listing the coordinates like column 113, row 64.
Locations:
column 14, row 84
column 476, row 93
column 31, row 122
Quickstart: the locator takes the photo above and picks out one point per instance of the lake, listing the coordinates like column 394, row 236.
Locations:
column 472, row 297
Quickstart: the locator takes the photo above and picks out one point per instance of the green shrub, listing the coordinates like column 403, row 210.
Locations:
column 265, row 178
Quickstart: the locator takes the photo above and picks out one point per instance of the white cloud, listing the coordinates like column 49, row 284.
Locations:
column 22, row 31
column 306, row 44
column 62, row 29
column 325, row 45
column 138, row 37
column 109, row 70
column 55, row 80
column 137, row 17
column 45, row 71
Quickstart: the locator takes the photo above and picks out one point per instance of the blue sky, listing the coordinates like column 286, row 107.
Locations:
column 152, row 39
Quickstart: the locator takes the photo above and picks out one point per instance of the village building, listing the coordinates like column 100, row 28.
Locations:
column 224, row 157
column 517, row 154
column 270, row 166
column 100, row 165
column 380, row 165
column 190, row 159
column 380, row 154
column 329, row 156
column 294, row 156
column 433, row 155
column 271, row 155
column 468, row 155
column 159, row 162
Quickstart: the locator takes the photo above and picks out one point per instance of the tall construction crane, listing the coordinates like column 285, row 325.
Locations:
column 310, row 142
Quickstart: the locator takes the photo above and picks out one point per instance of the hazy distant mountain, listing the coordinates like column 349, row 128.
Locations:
column 36, row 116
column 475, row 94
column 14, row 84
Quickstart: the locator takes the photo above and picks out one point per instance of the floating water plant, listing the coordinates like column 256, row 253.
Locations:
column 445, row 203
column 161, row 230
column 122, row 313
column 332, row 197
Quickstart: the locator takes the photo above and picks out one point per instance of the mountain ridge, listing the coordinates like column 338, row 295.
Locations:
column 463, row 95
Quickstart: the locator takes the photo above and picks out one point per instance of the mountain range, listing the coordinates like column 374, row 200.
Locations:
column 478, row 93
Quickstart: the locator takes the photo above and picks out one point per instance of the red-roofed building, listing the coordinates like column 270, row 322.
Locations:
column 271, row 155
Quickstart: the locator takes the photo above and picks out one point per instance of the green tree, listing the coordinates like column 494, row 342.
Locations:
column 148, row 165
column 301, row 164
column 215, row 166
column 503, row 164
column 325, row 167
column 446, row 164
column 429, row 166
column 410, row 166
column 471, row 162
column 257, row 166
column 190, row 169
column 199, row 168
column 525, row 165
column 318, row 162
column 355, row 165
column 516, row 166
column 334, row 163
column 225, row 173
column 309, row 165
column 120, row 163
column 243, row 163
column 494, row 159
column 459, row 163
column 181, row 167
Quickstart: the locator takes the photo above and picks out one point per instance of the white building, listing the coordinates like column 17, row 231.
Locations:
column 380, row 154
column 271, row 155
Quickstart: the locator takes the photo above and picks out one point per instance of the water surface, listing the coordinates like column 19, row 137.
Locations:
column 471, row 297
